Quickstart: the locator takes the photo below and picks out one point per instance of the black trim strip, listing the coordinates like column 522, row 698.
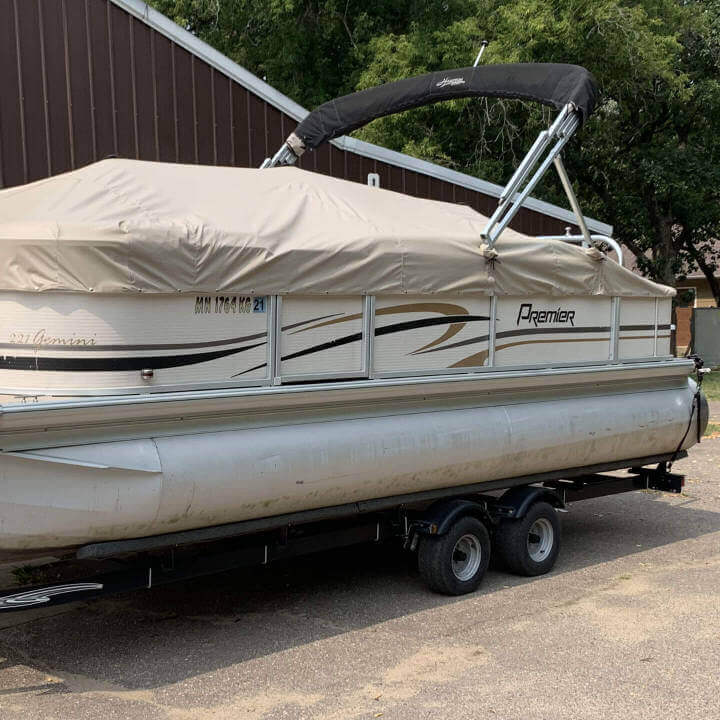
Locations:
column 643, row 327
column 552, row 331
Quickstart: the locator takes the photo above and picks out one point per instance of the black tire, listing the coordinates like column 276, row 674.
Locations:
column 517, row 551
column 436, row 555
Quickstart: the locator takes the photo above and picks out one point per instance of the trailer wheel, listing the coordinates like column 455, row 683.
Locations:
column 454, row 563
column 529, row 546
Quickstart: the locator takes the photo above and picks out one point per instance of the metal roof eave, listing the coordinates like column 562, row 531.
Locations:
column 156, row 20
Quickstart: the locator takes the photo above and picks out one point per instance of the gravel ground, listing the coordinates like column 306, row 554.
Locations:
column 626, row 626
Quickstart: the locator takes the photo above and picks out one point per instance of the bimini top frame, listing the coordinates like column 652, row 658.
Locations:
column 570, row 89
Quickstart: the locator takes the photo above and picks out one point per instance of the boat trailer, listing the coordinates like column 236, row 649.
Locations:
column 418, row 520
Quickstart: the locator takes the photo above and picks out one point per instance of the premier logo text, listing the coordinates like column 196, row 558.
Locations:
column 544, row 317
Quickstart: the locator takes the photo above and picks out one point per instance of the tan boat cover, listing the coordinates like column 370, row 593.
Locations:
column 125, row 226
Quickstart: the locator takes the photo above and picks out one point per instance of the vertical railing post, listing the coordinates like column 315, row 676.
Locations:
column 492, row 331
column 614, row 328
column 369, row 336
column 276, row 370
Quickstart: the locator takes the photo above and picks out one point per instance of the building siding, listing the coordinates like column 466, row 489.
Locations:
column 81, row 80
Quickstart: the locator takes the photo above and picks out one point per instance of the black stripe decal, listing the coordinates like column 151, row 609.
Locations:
column 9, row 362
column 123, row 348
column 387, row 330
column 307, row 322
column 157, row 362
column 413, row 324
column 160, row 362
column 158, row 346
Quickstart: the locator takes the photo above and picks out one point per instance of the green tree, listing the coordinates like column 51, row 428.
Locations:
column 312, row 50
column 647, row 161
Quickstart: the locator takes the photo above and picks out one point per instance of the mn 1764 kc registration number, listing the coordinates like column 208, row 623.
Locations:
column 228, row 304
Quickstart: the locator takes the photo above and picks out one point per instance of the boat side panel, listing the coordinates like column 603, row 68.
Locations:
column 321, row 336
column 419, row 334
column 664, row 320
column 57, row 341
column 637, row 328
column 536, row 330
column 55, row 345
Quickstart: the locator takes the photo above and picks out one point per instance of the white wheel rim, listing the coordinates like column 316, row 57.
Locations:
column 540, row 539
column 466, row 557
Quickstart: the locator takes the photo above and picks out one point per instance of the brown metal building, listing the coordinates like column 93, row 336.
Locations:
column 84, row 79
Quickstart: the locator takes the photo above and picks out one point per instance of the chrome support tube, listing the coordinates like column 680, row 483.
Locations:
column 574, row 204
column 491, row 233
column 284, row 156
column 528, row 162
column 568, row 126
column 539, row 146
column 483, row 45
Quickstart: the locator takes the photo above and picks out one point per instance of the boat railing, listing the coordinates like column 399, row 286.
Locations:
column 582, row 240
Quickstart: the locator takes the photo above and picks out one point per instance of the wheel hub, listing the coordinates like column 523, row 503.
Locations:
column 540, row 540
column 467, row 555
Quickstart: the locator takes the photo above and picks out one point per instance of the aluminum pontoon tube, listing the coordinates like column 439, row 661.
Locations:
column 68, row 496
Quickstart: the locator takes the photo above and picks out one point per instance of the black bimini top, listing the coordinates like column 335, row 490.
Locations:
column 552, row 84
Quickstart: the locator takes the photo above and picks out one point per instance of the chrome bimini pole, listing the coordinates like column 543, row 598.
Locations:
column 528, row 162
column 284, row 156
column 574, row 204
column 508, row 204
column 483, row 45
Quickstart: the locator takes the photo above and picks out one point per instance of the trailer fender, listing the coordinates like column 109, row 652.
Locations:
column 515, row 502
column 442, row 515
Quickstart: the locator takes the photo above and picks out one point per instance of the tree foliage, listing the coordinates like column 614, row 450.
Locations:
column 647, row 162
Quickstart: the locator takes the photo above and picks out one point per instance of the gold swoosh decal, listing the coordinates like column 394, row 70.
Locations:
column 442, row 308
column 452, row 330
